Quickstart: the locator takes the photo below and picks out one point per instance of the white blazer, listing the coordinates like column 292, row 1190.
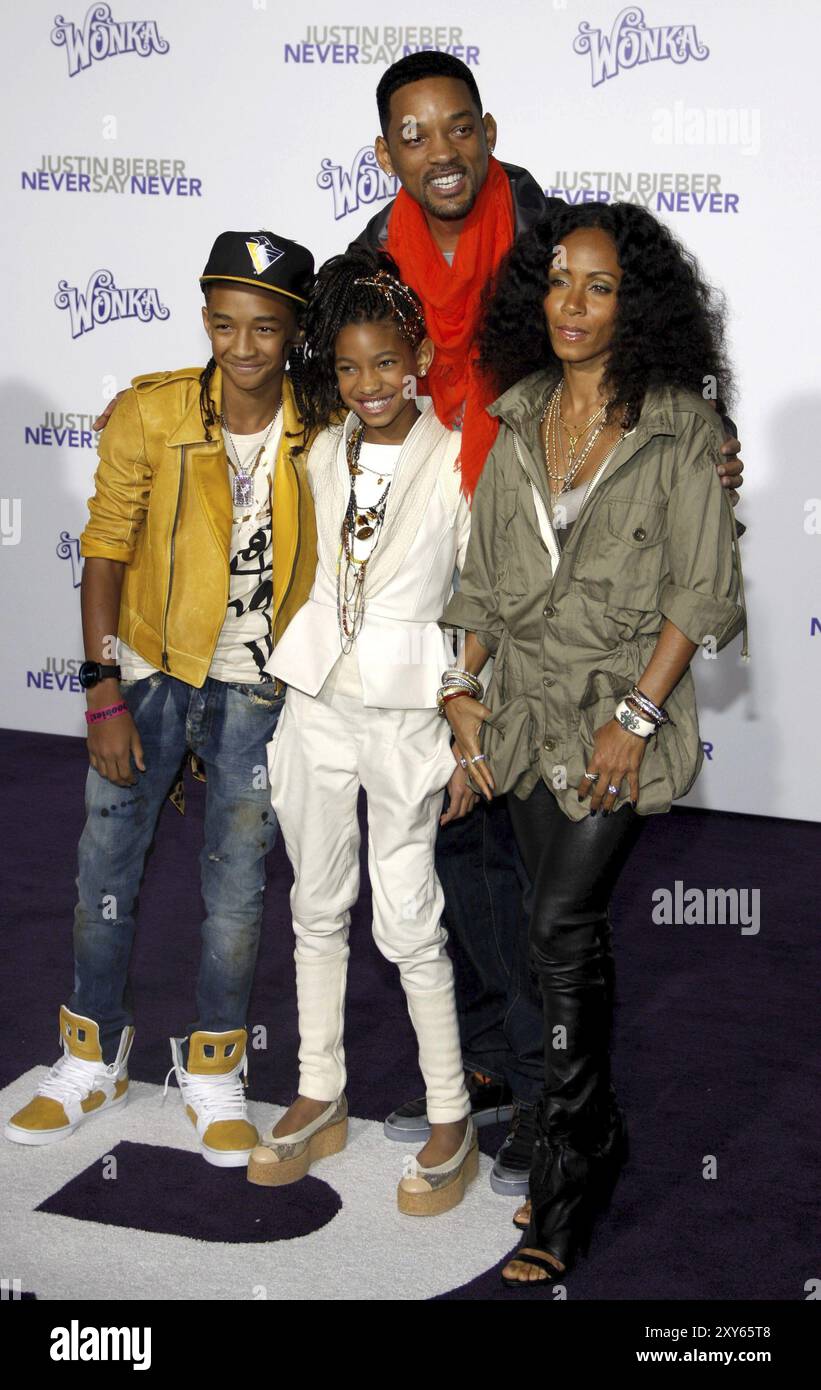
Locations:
column 402, row 650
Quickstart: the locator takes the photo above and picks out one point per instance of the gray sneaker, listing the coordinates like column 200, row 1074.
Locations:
column 510, row 1174
column 491, row 1103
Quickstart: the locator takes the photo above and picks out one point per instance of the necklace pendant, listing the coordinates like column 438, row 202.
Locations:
column 243, row 490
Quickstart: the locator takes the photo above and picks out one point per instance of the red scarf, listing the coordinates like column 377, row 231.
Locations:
column 451, row 296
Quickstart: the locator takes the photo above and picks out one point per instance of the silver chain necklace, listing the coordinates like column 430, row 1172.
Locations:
column 242, row 483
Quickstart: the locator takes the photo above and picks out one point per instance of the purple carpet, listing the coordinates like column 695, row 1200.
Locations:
column 715, row 1060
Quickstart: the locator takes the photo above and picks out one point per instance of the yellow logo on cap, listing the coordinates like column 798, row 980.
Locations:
column 263, row 253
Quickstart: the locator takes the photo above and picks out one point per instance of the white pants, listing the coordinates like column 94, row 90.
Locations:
column 323, row 750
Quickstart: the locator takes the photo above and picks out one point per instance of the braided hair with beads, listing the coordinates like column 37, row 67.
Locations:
column 361, row 286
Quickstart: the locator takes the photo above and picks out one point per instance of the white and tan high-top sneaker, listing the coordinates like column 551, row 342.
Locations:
column 80, row 1085
column 213, row 1094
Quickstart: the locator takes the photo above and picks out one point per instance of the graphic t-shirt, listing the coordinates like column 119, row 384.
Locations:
column 245, row 644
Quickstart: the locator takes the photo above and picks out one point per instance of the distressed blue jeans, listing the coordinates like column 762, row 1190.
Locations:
column 227, row 725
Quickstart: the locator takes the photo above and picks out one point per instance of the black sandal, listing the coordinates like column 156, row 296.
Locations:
column 538, row 1262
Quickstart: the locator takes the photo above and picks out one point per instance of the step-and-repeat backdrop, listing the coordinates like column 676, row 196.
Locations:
column 136, row 131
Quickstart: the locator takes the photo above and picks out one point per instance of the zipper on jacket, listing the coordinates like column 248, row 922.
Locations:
column 171, row 566
column 597, row 475
column 517, row 447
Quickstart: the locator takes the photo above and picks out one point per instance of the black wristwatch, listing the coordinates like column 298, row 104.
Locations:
column 91, row 673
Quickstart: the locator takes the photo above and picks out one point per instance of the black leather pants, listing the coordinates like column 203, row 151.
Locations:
column 573, row 868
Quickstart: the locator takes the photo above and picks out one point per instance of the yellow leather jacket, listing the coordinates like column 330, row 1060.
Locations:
column 162, row 506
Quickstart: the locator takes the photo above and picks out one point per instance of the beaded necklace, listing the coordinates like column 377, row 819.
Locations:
column 359, row 523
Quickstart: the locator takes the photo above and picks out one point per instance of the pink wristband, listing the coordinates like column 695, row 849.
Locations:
column 109, row 712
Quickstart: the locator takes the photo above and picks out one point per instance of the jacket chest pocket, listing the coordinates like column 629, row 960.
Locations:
column 620, row 560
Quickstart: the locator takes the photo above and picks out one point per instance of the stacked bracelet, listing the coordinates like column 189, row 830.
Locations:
column 95, row 716
column 634, row 723
column 456, row 681
column 456, row 675
column 444, row 699
column 645, row 704
column 639, row 714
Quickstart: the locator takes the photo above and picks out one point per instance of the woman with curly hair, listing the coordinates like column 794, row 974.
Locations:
column 602, row 555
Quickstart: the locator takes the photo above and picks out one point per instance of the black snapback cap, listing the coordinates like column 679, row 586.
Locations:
column 264, row 259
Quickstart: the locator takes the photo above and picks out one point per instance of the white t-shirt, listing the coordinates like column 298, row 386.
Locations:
column 378, row 462
column 245, row 644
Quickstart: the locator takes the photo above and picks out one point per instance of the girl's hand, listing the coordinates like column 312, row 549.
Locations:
column 466, row 717
column 616, row 757
column 462, row 796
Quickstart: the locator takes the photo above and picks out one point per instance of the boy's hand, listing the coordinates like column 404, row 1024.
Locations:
column 105, row 415
column 111, row 745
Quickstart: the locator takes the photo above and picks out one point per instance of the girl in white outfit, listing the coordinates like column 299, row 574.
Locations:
column 363, row 660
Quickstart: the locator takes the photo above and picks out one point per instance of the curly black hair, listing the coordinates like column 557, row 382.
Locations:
column 337, row 300
column 670, row 323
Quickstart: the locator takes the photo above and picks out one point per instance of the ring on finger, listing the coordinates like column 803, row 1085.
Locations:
column 614, row 791
column 592, row 776
column 480, row 758
column 463, row 762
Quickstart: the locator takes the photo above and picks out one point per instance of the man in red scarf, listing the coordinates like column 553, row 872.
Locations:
column 457, row 212
column 455, row 217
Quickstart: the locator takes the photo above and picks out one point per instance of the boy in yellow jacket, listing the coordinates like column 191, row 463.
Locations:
column 200, row 547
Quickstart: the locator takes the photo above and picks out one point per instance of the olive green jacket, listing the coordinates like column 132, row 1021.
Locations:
column 572, row 630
